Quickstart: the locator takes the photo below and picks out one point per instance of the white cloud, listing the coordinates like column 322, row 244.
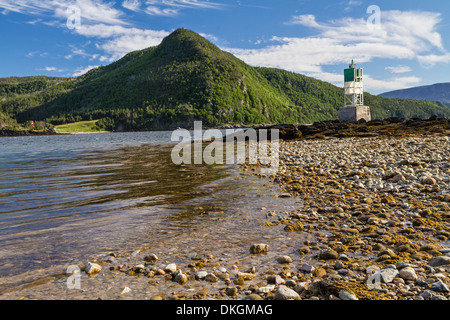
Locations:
column 50, row 69
column 400, row 36
column 82, row 70
column 133, row 5
column 92, row 11
column 399, row 69
column 121, row 40
column 156, row 11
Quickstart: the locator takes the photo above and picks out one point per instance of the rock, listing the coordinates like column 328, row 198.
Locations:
column 429, row 180
column 346, row 295
column 339, row 265
column 275, row 279
column 181, row 278
column 284, row 259
column 259, row 248
column 125, row 290
column 231, row 291
column 253, row 296
column 211, row 277
column 151, row 258
column 201, row 274
column 438, row 297
column 398, row 178
column 306, row 268
column 171, row 267
column 388, row 275
column 439, row 261
column 266, row 289
column 402, row 264
column 439, row 286
column 319, row 272
column 246, row 276
column 160, row 272
column 294, row 226
column 328, row 254
column 408, row 273
column 284, row 293
column 92, row 268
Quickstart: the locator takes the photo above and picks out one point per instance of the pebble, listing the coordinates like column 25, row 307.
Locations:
column 211, row 277
column 285, row 293
column 284, row 259
column 201, row 274
column 92, row 268
column 171, row 267
column 306, row 268
column 388, row 274
column 408, row 273
column 439, row 286
column 346, row 295
column 328, row 254
column 125, row 291
column 259, row 248
column 439, row 261
column 266, row 289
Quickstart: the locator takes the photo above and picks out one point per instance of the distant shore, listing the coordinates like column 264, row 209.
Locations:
column 318, row 130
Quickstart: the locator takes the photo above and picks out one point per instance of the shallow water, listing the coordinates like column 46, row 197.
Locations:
column 65, row 198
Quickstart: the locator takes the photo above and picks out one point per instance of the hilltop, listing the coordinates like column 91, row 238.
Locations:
column 183, row 79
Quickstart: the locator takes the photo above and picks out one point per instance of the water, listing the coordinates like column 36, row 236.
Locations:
column 63, row 198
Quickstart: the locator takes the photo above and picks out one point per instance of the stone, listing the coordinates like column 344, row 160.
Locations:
column 429, row 180
column 346, row 295
column 439, row 261
column 319, row 272
column 181, row 278
column 231, row 291
column 284, row 293
column 328, row 254
column 171, row 267
column 125, row 290
column 259, row 248
column 294, row 226
column 211, row 277
column 92, row 268
column 439, row 286
column 246, row 276
column 398, row 178
column 306, row 268
column 151, row 258
column 408, row 273
column 266, row 289
column 284, row 259
column 275, row 279
column 388, row 275
column 438, row 297
column 201, row 274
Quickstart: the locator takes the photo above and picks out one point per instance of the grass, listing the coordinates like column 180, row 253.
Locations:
column 78, row 127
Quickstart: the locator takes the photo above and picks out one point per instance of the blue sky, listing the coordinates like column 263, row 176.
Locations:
column 399, row 44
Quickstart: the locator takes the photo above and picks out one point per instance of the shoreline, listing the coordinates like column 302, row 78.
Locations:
column 368, row 205
column 393, row 126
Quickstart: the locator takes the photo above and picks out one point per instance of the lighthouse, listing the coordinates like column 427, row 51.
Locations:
column 354, row 108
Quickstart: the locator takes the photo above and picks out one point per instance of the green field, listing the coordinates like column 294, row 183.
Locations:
column 78, row 127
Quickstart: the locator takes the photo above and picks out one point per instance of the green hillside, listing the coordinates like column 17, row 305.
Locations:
column 186, row 78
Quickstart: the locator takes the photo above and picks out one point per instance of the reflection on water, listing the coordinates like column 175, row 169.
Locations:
column 63, row 198
column 50, row 200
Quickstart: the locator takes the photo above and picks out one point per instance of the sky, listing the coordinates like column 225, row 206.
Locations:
column 399, row 44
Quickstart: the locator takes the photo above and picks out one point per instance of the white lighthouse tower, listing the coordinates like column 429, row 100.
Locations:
column 354, row 108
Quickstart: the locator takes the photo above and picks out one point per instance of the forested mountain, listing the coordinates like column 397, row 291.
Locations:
column 437, row 92
column 183, row 79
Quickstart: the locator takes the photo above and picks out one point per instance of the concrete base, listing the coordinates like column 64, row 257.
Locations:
column 353, row 114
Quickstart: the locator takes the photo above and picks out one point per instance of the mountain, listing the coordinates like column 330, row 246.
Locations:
column 183, row 79
column 437, row 92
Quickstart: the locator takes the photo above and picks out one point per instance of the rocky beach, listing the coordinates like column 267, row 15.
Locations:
column 371, row 223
